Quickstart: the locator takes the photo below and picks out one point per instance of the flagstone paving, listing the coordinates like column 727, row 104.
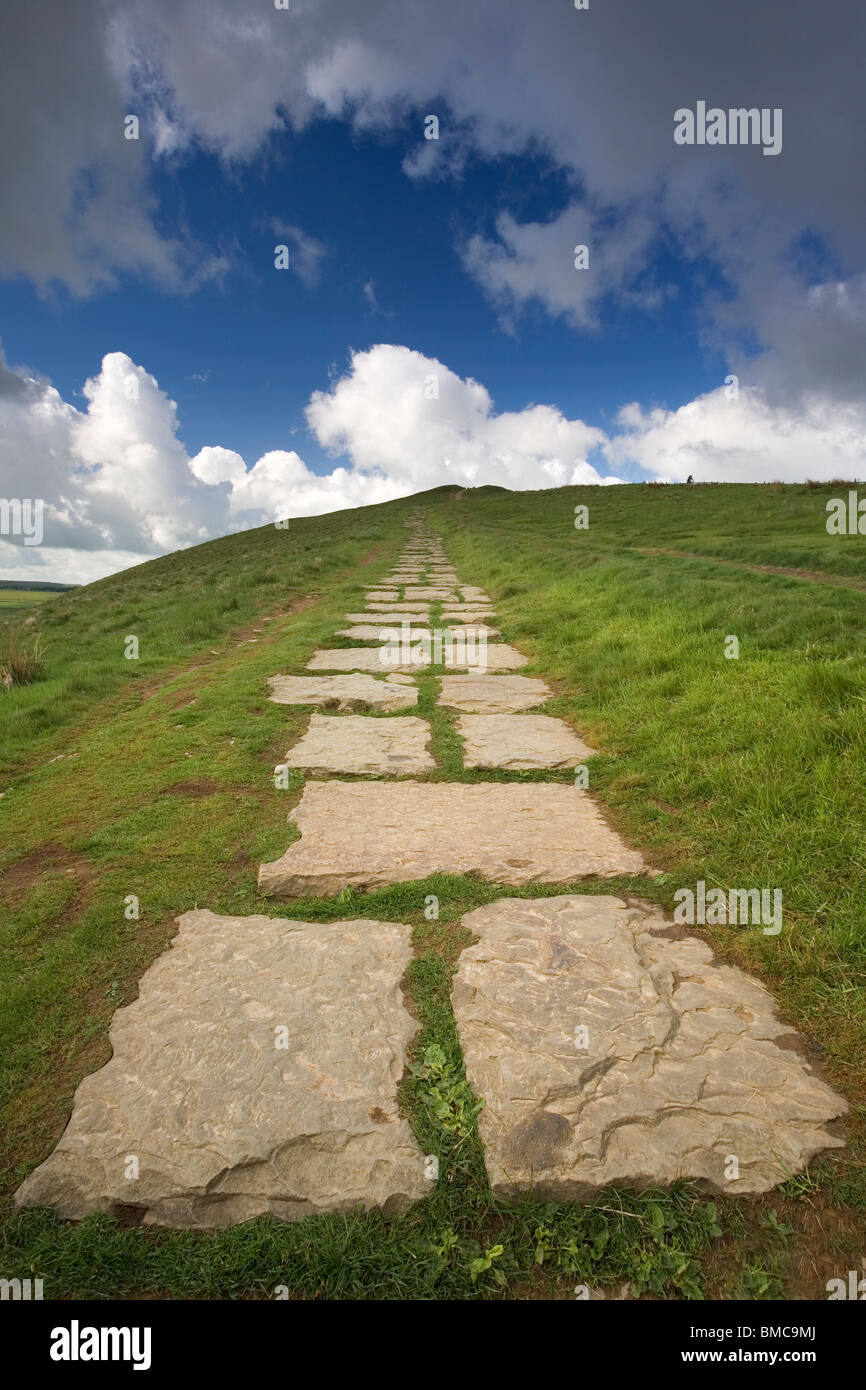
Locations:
column 255, row 1073
column 683, row 1064
column 395, row 606
column 372, row 632
column 413, row 591
column 369, row 834
column 482, row 694
column 388, row 619
column 345, row 692
column 497, row 656
column 520, row 741
column 361, row 744
column 358, row 659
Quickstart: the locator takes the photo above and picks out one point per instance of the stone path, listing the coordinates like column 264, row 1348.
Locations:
column 365, row 629
column 345, row 692
column 368, row 834
column 532, row 741
column 393, row 607
column 372, row 632
column 610, row 1050
column 498, row 656
column 482, row 694
column 257, row 1071
column 360, row 744
column 466, row 615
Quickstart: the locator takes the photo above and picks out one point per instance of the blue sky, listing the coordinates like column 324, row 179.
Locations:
column 265, row 340
column 163, row 382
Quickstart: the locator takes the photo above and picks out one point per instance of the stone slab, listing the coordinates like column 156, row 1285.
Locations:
column 393, row 606
column 467, row 614
column 387, row 619
column 372, row 632
column 361, row 744
column 470, row 593
column 467, row 629
column 492, row 694
column 345, row 692
column 225, row 1123
column 520, row 741
column 496, row 656
column 414, row 591
column 684, row 1061
column 369, row 628
column 381, row 595
column 499, row 656
column 356, row 659
column 369, row 834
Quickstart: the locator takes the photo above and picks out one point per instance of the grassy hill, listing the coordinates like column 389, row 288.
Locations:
column 152, row 777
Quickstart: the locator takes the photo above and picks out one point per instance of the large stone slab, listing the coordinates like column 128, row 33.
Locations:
column 382, row 595
column 391, row 607
column 499, row 656
column 369, row 628
column 256, row 1073
column 520, row 741
column 683, row 1063
column 372, row 632
column 344, row 692
column 470, row 593
column 415, row 591
column 362, row 744
column 483, row 694
column 356, row 659
column 388, row 619
column 460, row 655
column 467, row 614
column 369, row 834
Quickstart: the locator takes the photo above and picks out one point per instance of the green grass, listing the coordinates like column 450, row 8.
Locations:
column 23, row 598
column 154, row 777
column 19, row 602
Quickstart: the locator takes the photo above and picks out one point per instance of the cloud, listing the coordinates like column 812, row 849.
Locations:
column 306, row 253
column 591, row 94
column 717, row 438
column 75, row 200
column 412, row 418
column 537, row 261
column 119, row 486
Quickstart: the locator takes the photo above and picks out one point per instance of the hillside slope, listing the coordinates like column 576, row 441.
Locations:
column 152, row 778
